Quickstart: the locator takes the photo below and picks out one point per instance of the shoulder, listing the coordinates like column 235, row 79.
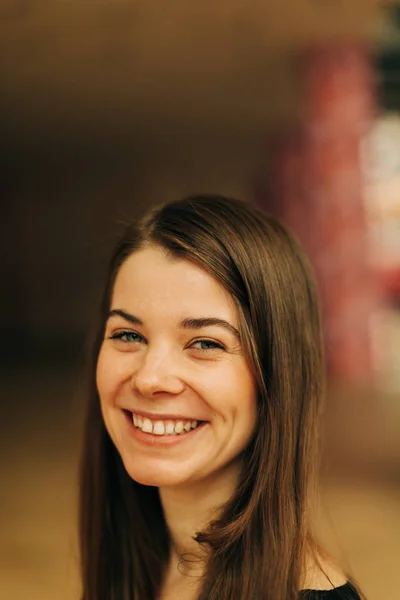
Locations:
column 343, row 592
column 322, row 573
column 325, row 580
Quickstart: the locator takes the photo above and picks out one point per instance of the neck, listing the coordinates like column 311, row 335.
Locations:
column 190, row 508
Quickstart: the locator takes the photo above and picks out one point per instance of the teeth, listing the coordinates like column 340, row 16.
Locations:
column 159, row 428
column 163, row 427
column 179, row 427
column 169, row 427
column 147, row 426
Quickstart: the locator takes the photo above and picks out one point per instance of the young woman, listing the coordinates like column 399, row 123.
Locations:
column 199, row 463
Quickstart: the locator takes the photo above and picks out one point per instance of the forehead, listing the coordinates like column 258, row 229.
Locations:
column 151, row 281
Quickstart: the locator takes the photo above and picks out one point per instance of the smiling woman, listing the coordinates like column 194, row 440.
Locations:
column 199, row 462
column 176, row 362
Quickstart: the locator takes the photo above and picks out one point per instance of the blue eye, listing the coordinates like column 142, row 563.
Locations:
column 126, row 336
column 208, row 345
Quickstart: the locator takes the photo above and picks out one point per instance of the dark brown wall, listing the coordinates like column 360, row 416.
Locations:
column 63, row 208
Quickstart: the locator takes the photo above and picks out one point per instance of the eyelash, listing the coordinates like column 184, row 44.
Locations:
column 121, row 334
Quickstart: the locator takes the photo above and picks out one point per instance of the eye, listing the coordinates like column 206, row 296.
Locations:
column 126, row 336
column 208, row 346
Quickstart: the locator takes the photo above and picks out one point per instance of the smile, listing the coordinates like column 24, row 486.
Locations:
column 167, row 427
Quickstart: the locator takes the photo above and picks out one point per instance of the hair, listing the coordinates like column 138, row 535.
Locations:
column 259, row 545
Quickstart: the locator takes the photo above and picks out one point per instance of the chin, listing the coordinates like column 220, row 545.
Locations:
column 155, row 475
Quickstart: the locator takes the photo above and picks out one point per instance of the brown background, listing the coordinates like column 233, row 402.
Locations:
column 105, row 108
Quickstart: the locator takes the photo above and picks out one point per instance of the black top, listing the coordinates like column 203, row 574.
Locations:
column 343, row 592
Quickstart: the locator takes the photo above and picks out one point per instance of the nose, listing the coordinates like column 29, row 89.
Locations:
column 156, row 374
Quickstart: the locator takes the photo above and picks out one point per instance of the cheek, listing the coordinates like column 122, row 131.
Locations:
column 108, row 374
column 246, row 406
column 102, row 380
column 234, row 396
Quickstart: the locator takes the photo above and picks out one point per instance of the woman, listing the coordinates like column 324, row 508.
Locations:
column 199, row 461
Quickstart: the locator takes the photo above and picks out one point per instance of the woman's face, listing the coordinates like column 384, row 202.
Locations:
column 176, row 393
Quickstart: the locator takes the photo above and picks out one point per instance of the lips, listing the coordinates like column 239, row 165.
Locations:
column 161, row 432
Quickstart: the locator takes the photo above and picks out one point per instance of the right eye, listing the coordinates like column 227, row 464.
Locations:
column 126, row 336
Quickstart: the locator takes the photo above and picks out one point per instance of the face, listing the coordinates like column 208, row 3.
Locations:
column 176, row 393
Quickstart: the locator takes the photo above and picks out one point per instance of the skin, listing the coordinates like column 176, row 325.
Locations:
column 165, row 369
column 162, row 368
column 159, row 367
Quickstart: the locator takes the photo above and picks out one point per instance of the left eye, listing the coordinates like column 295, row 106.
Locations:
column 126, row 336
column 208, row 345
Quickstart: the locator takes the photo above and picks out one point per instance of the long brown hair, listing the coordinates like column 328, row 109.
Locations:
column 259, row 545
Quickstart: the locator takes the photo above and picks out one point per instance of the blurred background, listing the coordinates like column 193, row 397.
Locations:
column 110, row 106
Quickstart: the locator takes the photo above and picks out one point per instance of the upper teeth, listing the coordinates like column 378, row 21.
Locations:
column 163, row 427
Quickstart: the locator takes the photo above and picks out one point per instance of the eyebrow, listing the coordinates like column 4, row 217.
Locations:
column 188, row 323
